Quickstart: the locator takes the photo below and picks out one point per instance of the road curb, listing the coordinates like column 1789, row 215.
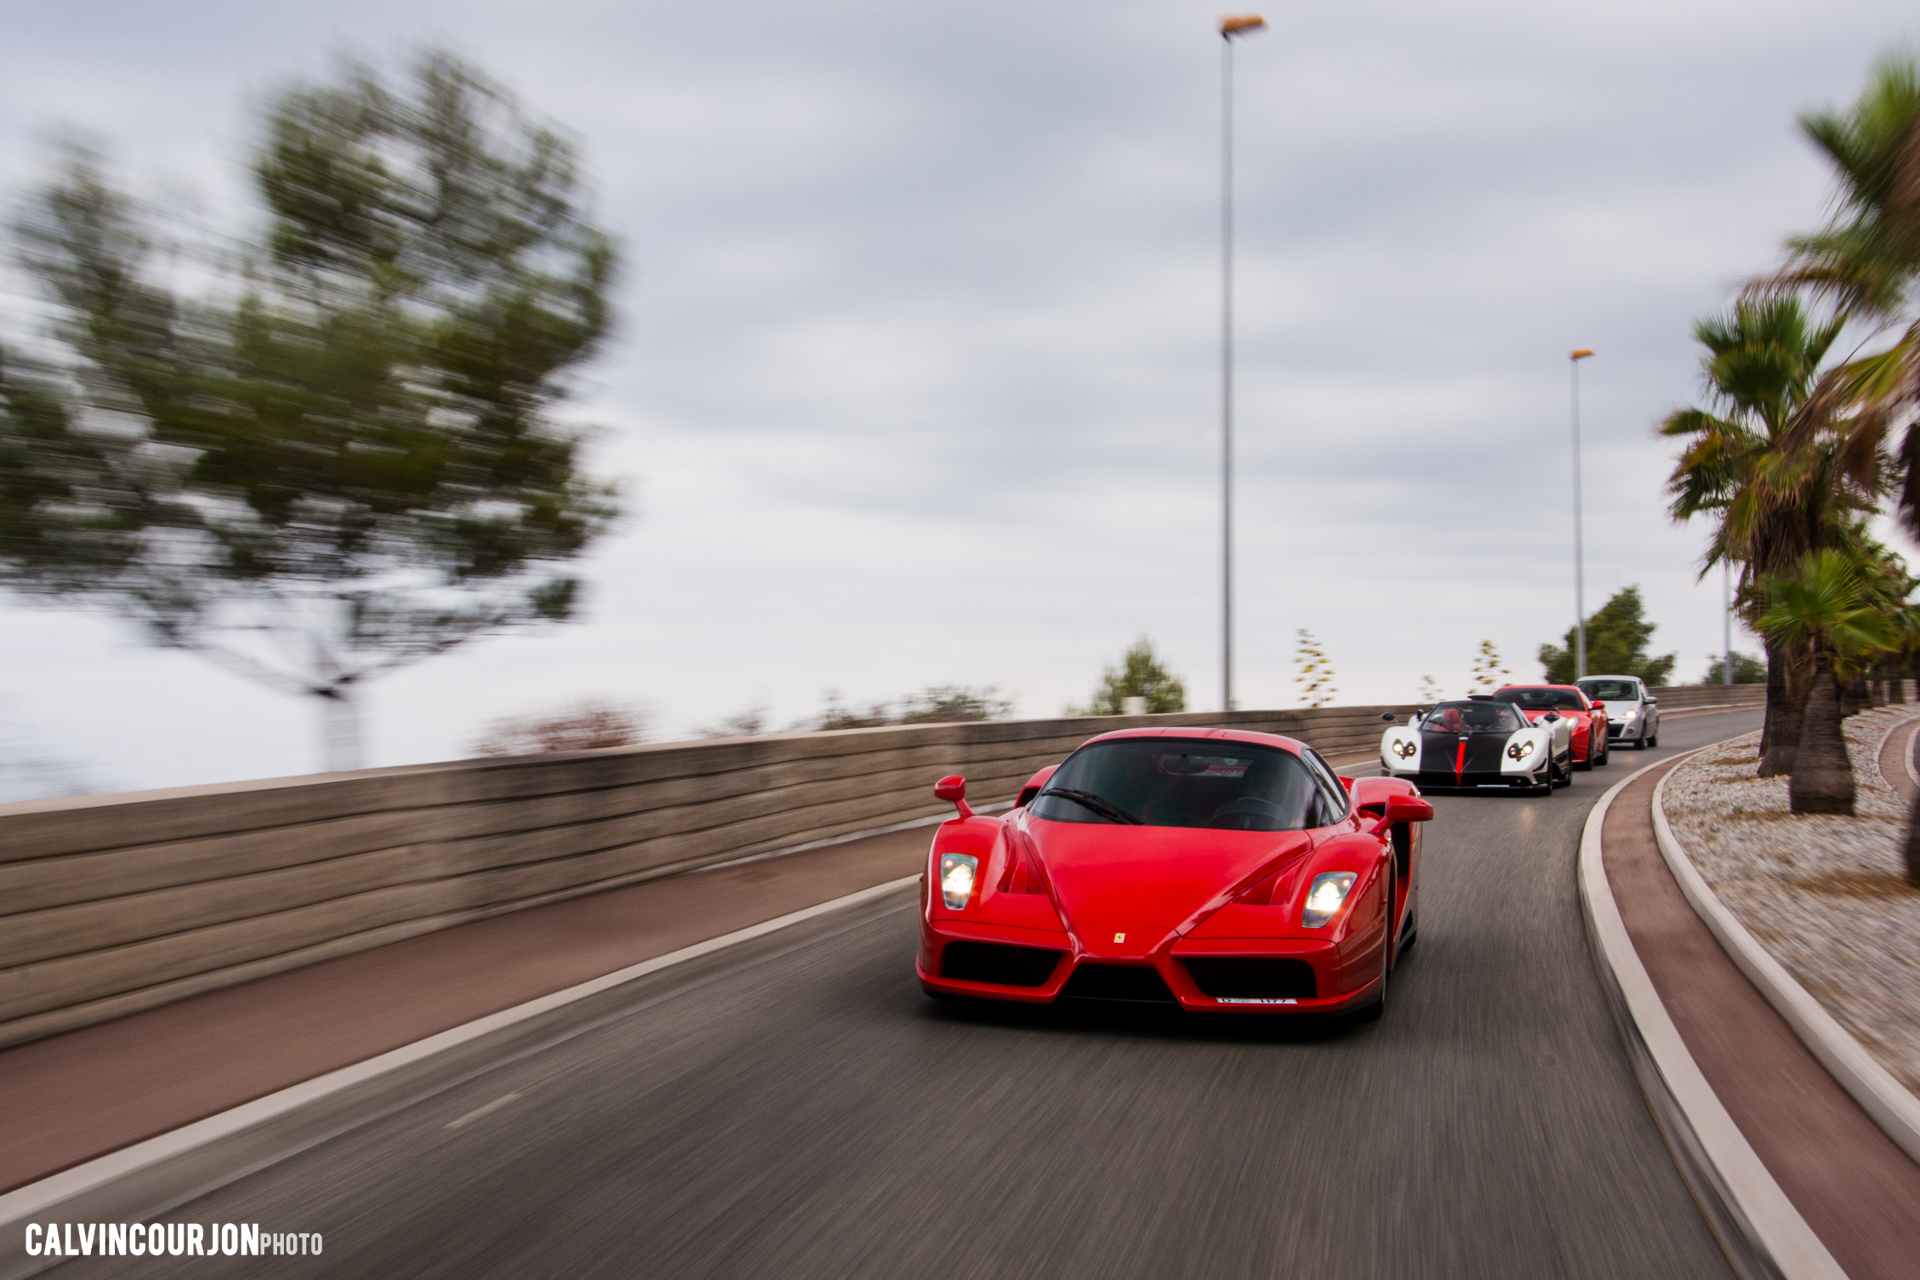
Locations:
column 1890, row 1103
column 51, row 1193
column 1757, row 1226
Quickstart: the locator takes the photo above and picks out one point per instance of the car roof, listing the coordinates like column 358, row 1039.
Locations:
column 1603, row 676
column 1199, row 733
column 1572, row 687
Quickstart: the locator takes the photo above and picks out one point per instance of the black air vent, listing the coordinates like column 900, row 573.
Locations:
column 997, row 962
column 1116, row 982
column 1251, row 977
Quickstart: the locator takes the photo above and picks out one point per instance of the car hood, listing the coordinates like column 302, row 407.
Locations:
column 1145, row 883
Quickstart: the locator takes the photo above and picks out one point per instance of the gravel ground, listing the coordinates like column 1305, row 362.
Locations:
column 1826, row 895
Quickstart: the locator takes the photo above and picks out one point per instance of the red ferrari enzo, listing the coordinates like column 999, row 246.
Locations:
column 1588, row 720
column 1224, row 871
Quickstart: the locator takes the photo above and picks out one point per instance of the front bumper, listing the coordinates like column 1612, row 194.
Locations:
column 1215, row 975
column 1457, row 781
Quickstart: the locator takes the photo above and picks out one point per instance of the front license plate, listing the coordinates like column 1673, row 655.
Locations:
column 1253, row 1000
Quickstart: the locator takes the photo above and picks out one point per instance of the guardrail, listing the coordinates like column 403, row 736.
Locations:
column 112, row 904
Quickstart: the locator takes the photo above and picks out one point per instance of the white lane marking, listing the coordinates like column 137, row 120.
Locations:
column 477, row 1112
column 35, row 1197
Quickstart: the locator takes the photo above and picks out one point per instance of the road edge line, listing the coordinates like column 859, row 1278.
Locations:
column 1882, row 1096
column 34, row 1197
column 1757, row 1226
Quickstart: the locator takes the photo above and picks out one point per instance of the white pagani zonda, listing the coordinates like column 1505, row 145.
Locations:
column 1480, row 743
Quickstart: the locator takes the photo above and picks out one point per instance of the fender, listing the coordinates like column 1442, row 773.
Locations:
column 1010, row 885
column 1360, row 929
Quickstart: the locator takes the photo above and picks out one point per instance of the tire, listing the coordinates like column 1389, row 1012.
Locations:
column 1412, row 934
column 1654, row 741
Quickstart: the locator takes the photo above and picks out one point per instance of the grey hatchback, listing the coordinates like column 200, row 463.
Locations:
column 1633, row 713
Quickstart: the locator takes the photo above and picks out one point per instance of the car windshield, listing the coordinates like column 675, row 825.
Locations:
column 1611, row 690
column 1473, row 717
column 1544, row 699
column 1159, row 782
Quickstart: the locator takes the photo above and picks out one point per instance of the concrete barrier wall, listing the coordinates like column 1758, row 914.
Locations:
column 111, row 904
column 1681, row 697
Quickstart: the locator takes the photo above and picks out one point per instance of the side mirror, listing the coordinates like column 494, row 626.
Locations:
column 1403, row 809
column 1551, row 715
column 1597, row 705
column 953, row 789
column 1652, row 701
column 1387, row 716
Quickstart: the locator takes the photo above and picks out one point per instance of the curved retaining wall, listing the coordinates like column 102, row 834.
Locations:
column 111, row 904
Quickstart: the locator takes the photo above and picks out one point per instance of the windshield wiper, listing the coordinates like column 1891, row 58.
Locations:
column 1087, row 800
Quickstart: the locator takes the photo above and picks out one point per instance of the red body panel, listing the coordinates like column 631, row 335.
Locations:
column 1136, row 897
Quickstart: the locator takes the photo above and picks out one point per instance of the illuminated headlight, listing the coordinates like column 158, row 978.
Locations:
column 1629, row 715
column 956, row 879
column 1519, row 750
column 1324, row 898
column 1404, row 749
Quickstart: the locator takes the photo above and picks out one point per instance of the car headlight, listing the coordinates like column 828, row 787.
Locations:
column 1519, row 750
column 956, row 879
column 1629, row 715
column 1404, row 749
column 1329, row 890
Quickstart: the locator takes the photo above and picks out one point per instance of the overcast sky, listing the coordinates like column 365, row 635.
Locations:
column 917, row 374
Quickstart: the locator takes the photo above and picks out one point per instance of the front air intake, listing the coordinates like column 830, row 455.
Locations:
column 1117, row 982
column 1251, row 977
column 997, row 962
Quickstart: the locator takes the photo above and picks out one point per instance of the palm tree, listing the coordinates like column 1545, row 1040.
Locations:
column 1777, row 487
column 1825, row 611
column 1866, row 262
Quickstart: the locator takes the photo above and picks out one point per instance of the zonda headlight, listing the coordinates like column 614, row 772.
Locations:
column 1329, row 890
column 1519, row 750
column 956, row 879
column 1404, row 749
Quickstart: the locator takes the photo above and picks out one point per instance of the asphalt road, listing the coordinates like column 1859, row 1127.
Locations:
column 799, row 1109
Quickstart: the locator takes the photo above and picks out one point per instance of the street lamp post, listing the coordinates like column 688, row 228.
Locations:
column 1230, row 28
column 1579, row 555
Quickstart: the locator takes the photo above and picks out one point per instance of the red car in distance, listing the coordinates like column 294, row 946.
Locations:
column 1218, row 870
column 1588, row 720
